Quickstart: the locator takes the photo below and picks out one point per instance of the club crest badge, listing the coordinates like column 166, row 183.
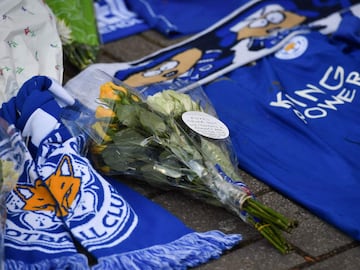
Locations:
column 68, row 195
column 293, row 49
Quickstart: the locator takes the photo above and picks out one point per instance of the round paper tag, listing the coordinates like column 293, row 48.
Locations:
column 205, row 124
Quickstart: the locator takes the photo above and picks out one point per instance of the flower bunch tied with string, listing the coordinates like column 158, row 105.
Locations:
column 175, row 140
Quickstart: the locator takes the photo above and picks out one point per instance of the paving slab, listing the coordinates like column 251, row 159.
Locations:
column 313, row 236
column 256, row 256
column 348, row 259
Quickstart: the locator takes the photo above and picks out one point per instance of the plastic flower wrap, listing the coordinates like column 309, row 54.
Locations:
column 10, row 167
column 174, row 140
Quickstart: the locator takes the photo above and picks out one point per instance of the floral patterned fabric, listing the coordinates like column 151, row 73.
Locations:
column 30, row 45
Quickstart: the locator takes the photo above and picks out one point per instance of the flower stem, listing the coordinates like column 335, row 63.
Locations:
column 268, row 215
column 272, row 234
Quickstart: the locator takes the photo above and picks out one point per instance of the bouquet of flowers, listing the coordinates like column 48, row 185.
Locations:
column 173, row 140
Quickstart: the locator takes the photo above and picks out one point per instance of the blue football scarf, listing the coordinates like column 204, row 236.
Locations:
column 179, row 18
column 115, row 21
column 62, row 214
column 254, row 30
column 294, row 121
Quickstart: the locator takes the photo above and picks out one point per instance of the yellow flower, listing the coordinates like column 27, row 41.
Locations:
column 108, row 92
column 135, row 98
column 100, row 131
column 97, row 148
column 118, row 88
column 103, row 112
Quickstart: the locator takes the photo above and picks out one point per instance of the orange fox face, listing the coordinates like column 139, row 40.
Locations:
column 56, row 193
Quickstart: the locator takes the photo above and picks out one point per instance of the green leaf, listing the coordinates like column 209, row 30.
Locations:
column 128, row 136
column 152, row 122
column 128, row 114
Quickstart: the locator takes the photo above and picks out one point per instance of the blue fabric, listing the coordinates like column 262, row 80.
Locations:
column 175, row 18
column 253, row 31
column 179, row 17
column 293, row 118
column 120, row 18
column 115, row 21
column 63, row 214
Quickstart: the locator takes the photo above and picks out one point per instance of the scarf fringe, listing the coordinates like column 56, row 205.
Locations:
column 74, row 262
column 190, row 250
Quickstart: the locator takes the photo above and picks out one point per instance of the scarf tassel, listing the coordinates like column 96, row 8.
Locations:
column 190, row 250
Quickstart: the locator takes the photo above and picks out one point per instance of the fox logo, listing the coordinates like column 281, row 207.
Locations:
column 67, row 195
column 57, row 193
